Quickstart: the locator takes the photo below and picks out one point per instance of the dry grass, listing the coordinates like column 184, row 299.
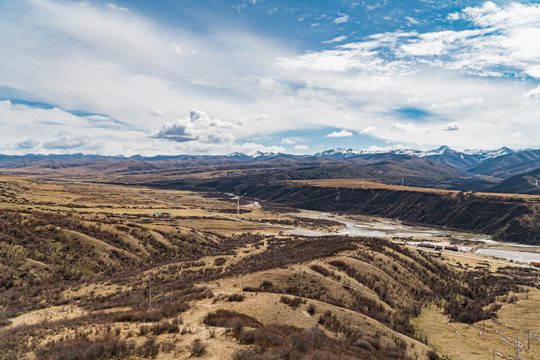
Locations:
column 368, row 184
column 84, row 310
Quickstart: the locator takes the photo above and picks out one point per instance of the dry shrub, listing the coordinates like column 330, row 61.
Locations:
column 291, row 301
column 149, row 348
column 106, row 348
column 198, row 348
column 236, row 297
column 158, row 329
column 230, row 319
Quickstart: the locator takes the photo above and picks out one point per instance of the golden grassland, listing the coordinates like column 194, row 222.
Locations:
column 369, row 184
column 113, row 275
column 479, row 340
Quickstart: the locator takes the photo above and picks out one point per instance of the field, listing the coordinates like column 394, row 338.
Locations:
column 96, row 271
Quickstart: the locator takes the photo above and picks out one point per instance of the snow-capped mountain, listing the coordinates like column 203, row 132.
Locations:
column 444, row 154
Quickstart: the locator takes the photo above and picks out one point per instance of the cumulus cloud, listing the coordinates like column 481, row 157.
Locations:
column 288, row 141
column 369, row 130
column 301, row 147
column 452, row 126
column 340, row 134
column 27, row 144
column 342, row 19
column 336, row 39
column 409, row 128
column 68, row 141
column 198, row 127
column 453, row 16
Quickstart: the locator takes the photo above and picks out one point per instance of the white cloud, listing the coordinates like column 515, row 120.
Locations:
column 336, row 39
column 288, row 141
column 453, row 126
column 116, row 7
column 131, row 65
column 198, row 127
column 301, row 147
column 252, row 148
column 368, row 130
column 68, row 141
column 453, row 16
column 156, row 112
column 517, row 134
column 340, row 134
column 28, row 144
column 342, row 19
column 533, row 94
column 461, row 102
column 411, row 20
column 409, row 128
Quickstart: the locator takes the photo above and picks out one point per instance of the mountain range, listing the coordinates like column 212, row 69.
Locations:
column 501, row 170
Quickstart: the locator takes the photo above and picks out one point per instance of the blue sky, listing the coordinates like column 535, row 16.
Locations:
column 214, row 77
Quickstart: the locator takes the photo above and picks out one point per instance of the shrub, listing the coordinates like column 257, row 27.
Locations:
column 291, row 301
column 230, row 319
column 158, row 329
column 149, row 348
column 198, row 348
column 236, row 297
column 105, row 348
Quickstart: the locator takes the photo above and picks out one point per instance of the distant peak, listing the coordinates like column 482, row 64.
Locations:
column 445, row 149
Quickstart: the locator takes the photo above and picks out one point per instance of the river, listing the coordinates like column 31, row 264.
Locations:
column 381, row 227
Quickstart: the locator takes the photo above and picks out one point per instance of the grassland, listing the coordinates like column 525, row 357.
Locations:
column 81, row 263
column 369, row 184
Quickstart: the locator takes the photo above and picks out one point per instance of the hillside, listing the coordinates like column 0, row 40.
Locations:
column 94, row 273
column 520, row 184
column 506, row 218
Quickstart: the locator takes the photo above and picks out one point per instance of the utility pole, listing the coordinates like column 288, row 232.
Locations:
column 517, row 347
column 275, row 257
column 300, row 286
column 362, row 183
column 242, row 289
column 528, row 339
column 150, row 291
column 238, row 207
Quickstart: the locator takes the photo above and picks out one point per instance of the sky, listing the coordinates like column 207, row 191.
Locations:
column 215, row 77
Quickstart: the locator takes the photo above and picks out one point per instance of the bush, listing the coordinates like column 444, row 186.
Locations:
column 79, row 349
column 230, row 319
column 236, row 297
column 149, row 348
column 158, row 329
column 198, row 348
column 292, row 302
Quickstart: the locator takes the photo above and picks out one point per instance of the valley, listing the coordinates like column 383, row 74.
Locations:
column 131, row 271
